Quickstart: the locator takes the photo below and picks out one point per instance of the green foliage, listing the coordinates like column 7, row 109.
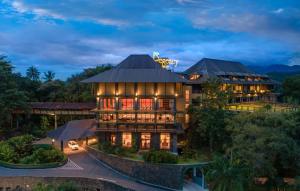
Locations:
column 20, row 150
column 6, row 152
column 49, row 76
column 291, row 89
column 43, row 187
column 108, row 148
column 160, row 157
column 227, row 175
column 42, row 156
column 33, row 73
column 21, row 145
column 66, row 186
column 11, row 98
column 263, row 141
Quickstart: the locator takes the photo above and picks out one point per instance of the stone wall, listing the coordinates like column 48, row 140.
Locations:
column 164, row 175
column 85, row 184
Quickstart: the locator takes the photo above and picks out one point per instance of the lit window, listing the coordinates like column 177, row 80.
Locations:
column 165, row 118
column 165, row 104
column 113, row 139
column 164, row 141
column 127, row 139
column 107, row 103
column 127, row 118
column 187, row 96
column 146, row 104
column 106, row 117
column 126, row 104
column 194, row 76
column 145, row 140
column 145, row 118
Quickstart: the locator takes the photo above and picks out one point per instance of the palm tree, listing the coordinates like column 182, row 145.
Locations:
column 227, row 175
column 33, row 73
column 49, row 76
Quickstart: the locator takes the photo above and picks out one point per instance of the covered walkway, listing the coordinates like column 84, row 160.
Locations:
column 79, row 130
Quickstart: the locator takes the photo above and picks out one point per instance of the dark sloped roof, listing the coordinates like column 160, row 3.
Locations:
column 62, row 106
column 136, row 68
column 213, row 67
column 77, row 129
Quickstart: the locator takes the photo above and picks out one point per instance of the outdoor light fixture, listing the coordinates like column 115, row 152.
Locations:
column 53, row 141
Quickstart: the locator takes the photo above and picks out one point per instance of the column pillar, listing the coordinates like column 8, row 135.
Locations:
column 55, row 121
column 118, row 138
column 155, row 141
column 137, row 140
column 173, row 143
column 62, row 146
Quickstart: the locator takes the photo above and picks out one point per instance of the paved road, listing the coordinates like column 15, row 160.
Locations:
column 81, row 165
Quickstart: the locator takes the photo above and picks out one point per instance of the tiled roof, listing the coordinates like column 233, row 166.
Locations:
column 136, row 68
column 62, row 106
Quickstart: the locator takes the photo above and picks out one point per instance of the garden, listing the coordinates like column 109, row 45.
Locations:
column 188, row 156
column 20, row 152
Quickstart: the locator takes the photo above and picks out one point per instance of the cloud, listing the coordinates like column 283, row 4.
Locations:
column 67, row 36
column 278, row 11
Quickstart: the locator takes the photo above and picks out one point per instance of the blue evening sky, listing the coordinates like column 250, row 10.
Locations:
column 66, row 36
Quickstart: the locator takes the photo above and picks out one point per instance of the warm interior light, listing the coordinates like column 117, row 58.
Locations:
column 176, row 95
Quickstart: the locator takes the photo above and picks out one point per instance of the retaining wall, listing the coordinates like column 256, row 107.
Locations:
column 164, row 175
column 85, row 184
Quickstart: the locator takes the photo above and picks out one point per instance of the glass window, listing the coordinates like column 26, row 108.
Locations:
column 145, row 118
column 107, row 117
column 166, row 104
column 145, row 140
column 126, row 118
column 164, row 141
column 126, row 139
column 113, row 139
column 107, row 103
column 126, row 104
column 146, row 104
column 165, row 118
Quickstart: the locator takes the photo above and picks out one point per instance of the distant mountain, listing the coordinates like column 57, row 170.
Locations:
column 277, row 68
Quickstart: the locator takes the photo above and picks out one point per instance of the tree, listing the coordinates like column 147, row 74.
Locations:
column 291, row 89
column 33, row 73
column 11, row 99
column 207, row 124
column 228, row 175
column 49, row 76
column 261, row 140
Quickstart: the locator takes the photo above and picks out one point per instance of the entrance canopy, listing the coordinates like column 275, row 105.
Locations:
column 77, row 129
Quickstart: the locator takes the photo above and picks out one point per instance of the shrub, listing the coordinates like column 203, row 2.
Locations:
column 107, row 147
column 21, row 145
column 160, row 157
column 67, row 186
column 7, row 153
column 43, row 155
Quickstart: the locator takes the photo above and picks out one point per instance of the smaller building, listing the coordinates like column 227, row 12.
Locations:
column 246, row 85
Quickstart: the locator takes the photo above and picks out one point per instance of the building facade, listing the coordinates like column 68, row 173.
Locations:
column 140, row 104
column 245, row 85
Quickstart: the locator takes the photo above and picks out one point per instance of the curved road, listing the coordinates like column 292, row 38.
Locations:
column 81, row 164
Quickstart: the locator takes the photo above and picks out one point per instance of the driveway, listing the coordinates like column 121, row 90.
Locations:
column 81, row 164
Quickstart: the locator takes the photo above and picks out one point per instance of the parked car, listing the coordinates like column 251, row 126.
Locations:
column 73, row 145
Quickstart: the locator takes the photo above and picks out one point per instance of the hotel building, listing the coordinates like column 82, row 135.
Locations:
column 142, row 104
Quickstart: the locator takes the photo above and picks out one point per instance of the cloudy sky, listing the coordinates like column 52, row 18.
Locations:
column 66, row 36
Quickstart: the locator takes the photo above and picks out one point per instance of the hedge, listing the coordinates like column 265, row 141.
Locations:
column 34, row 166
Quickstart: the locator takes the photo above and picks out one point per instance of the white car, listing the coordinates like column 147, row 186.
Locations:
column 73, row 145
